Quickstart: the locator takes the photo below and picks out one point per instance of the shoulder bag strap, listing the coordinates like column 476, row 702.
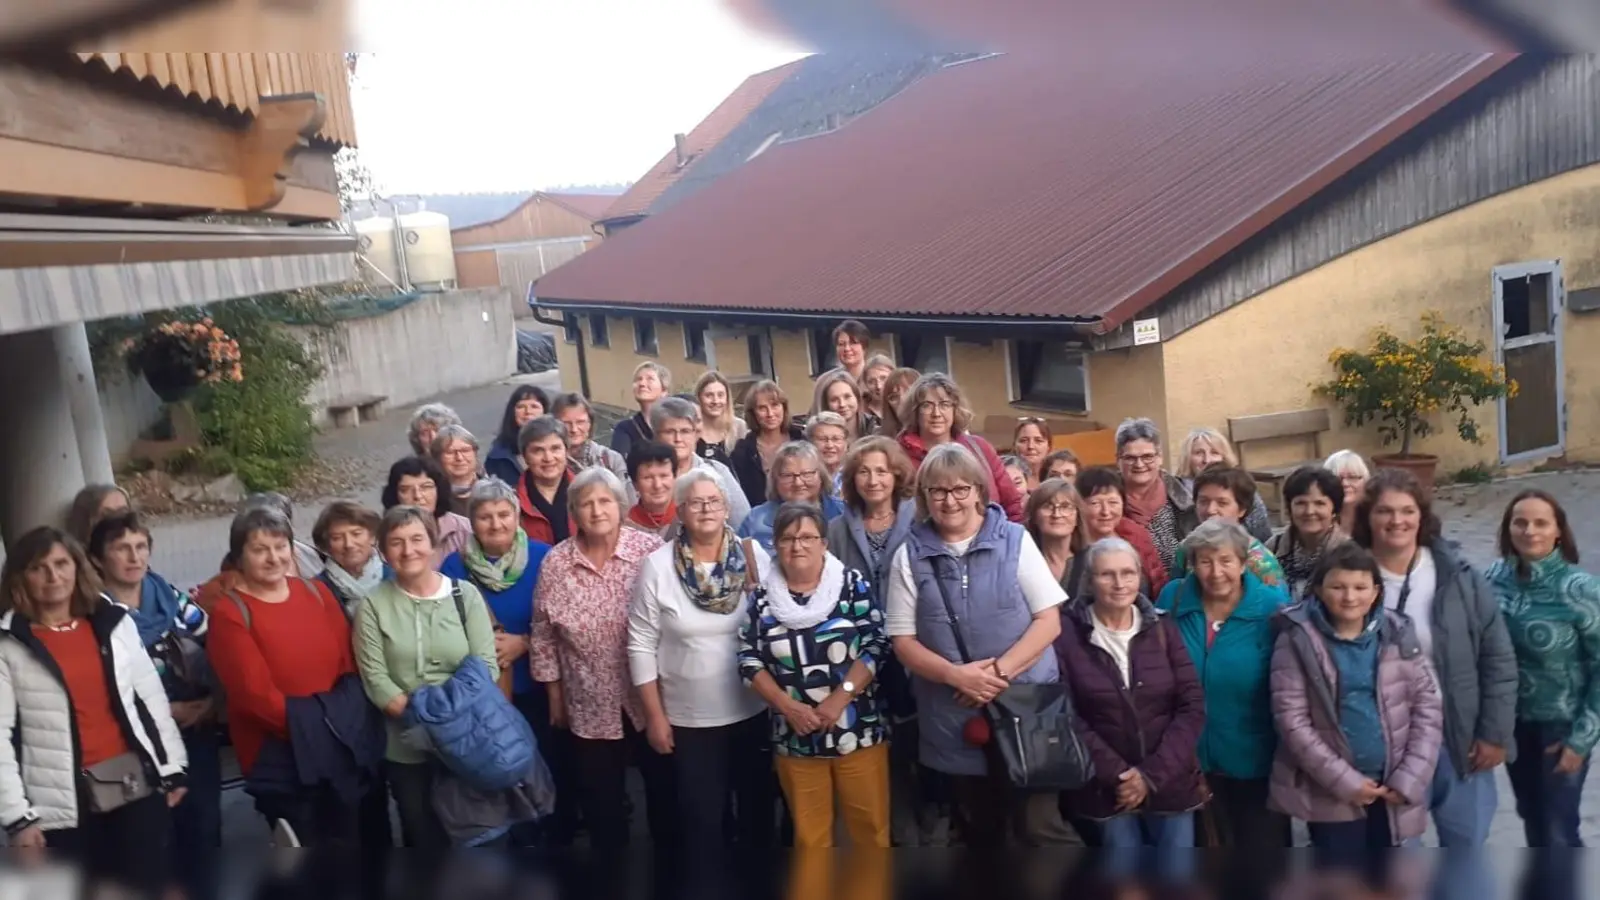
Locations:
column 752, row 568
column 1405, row 586
column 244, row 608
column 950, row 615
column 461, row 604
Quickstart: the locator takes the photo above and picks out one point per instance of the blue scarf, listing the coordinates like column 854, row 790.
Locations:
column 158, row 608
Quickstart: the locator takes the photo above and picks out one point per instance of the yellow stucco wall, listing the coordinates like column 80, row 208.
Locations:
column 1122, row 383
column 1264, row 355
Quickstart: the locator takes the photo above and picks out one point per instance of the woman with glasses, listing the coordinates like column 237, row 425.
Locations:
column 810, row 647
column 829, row 433
column 418, row 481
column 798, row 476
column 583, row 452
column 1030, row 441
column 456, row 451
column 936, row 413
column 1352, row 473
column 965, row 558
column 691, row 598
column 1054, row 517
column 1207, row 447
column 525, row 404
column 1153, row 497
column 766, row 410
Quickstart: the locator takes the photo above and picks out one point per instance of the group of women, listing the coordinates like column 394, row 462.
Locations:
column 791, row 628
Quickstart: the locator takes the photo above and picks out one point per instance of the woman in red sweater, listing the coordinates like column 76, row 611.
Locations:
column 274, row 637
column 935, row 412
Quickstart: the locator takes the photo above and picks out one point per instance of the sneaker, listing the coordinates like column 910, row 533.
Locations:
column 283, row 835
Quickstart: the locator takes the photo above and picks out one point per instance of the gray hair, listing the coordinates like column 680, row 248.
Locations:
column 686, row 483
column 1137, row 430
column 673, row 408
column 269, row 500
column 802, row 451
column 256, row 518
column 1216, row 534
column 491, row 490
column 1347, row 461
column 436, row 414
column 538, row 429
column 397, row 517
column 1109, row 545
column 952, row 461
column 960, row 416
column 447, row 434
column 824, row 418
column 1013, row 461
column 599, row 476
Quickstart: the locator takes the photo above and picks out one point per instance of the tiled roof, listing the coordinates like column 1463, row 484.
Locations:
column 590, row 206
column 709, row 133
column 1081, row 184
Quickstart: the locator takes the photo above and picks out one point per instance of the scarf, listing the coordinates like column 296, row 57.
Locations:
column 496, row 575
column 158, row 608
column 719, row 590
column 642, row 517
column 1142, row 509
column 798, row 616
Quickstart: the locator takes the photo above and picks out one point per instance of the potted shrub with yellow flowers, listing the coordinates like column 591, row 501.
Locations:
column 1405, row 385
column 178, row 356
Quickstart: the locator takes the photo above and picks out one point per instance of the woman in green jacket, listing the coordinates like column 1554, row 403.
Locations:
column 410, row 632
column 1225, row 613
column 1552, row 609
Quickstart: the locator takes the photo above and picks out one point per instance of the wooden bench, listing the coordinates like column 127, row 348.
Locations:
column 350, row 412
column 1299, row 423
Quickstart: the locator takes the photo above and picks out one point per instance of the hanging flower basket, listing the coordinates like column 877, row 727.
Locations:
column 177, row 357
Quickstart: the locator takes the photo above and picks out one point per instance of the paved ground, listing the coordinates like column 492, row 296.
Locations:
column 187, row 551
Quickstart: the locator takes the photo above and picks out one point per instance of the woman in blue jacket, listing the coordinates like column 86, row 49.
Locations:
column 1225, row 616
column 797, row 476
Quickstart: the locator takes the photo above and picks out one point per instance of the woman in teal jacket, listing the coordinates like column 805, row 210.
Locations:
column 1552, row 609
column 1224, row 613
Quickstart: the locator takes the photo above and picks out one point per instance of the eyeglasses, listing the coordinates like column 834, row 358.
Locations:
column 459, row 452
column 1142, row 461
column 929, row 406
column 806, row 541
column 676, row 432
column 960, row 492
column 1058, row 509
column 797, row 477
column 1029, row 420
column 711, row 505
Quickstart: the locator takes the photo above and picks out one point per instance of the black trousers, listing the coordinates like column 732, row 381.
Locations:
column 128, row 845
column 412, row 786
column 713, row 764
column 556, row 746
column 602, row 783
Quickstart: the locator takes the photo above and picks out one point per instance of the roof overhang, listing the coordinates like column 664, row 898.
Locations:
column 59, row 269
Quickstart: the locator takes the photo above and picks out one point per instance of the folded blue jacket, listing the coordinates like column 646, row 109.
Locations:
column 475, row 731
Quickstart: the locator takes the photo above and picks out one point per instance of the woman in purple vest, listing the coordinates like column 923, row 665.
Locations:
column 965, row 553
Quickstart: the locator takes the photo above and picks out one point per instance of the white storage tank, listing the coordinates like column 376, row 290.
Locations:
column 430, row 255
column 375, row 238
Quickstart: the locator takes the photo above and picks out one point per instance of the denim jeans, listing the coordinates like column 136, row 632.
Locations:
column 1169, row 840
column 1363, row 845
column 1547, row 802
column 1463, row 808
column 197, row 821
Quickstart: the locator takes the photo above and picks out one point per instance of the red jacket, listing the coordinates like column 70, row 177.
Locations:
column 534, row 523
column 1001, row 489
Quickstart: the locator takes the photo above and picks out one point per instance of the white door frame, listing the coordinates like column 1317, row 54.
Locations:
column 1558, row 315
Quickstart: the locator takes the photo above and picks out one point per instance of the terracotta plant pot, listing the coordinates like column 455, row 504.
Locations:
column 1421, row 465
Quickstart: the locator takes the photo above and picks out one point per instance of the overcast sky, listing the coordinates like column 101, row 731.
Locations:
column 493, row 95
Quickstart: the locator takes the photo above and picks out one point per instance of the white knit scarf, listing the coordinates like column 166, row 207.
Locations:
column 824, row 600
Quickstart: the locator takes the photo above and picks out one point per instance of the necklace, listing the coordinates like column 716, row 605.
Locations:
column 70, row 626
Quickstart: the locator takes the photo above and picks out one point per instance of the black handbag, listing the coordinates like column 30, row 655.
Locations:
column 1033, row 740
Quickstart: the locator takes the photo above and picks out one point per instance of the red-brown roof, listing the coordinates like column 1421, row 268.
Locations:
column 708, row 134
column 1080, row 186
column 591, row 206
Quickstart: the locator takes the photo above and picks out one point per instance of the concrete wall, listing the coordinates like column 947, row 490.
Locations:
column 1265, row 354
column 129, row 408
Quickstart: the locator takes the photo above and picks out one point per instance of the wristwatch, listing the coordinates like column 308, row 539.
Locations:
column 849, row 687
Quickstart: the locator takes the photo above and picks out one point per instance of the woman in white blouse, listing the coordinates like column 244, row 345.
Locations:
column 683, row 642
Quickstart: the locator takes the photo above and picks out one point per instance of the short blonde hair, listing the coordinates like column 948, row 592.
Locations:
column 961, row 416
column 950, row 462
column 1211, row 437
column 663, row 374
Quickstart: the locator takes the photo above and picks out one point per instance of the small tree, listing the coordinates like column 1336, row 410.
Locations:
column 1402, row 384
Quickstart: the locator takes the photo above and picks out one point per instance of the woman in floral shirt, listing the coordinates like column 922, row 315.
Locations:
column 579, row 650
column 810, row 647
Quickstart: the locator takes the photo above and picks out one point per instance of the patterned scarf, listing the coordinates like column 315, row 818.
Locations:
column 720, row 590
column 500, row 574
column 355, row 586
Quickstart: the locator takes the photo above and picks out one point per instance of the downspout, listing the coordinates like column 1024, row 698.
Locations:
column 583, row 357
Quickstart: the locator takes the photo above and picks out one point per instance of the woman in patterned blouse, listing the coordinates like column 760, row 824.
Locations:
column 810, row 647
column 1153, row 497
column 579, row 650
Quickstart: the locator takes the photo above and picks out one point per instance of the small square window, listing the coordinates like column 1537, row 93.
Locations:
column 694, row 342
column 760, row 350
column 824, row 356
column 598, row 335
column 1050, row 374
column 924, row 352
column 644, row 336
column 570, row 328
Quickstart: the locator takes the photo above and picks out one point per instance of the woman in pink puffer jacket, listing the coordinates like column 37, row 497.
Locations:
column 1358, row 712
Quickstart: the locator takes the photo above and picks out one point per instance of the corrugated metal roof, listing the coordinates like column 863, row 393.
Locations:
column 1067, row 185
column 709, row 133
